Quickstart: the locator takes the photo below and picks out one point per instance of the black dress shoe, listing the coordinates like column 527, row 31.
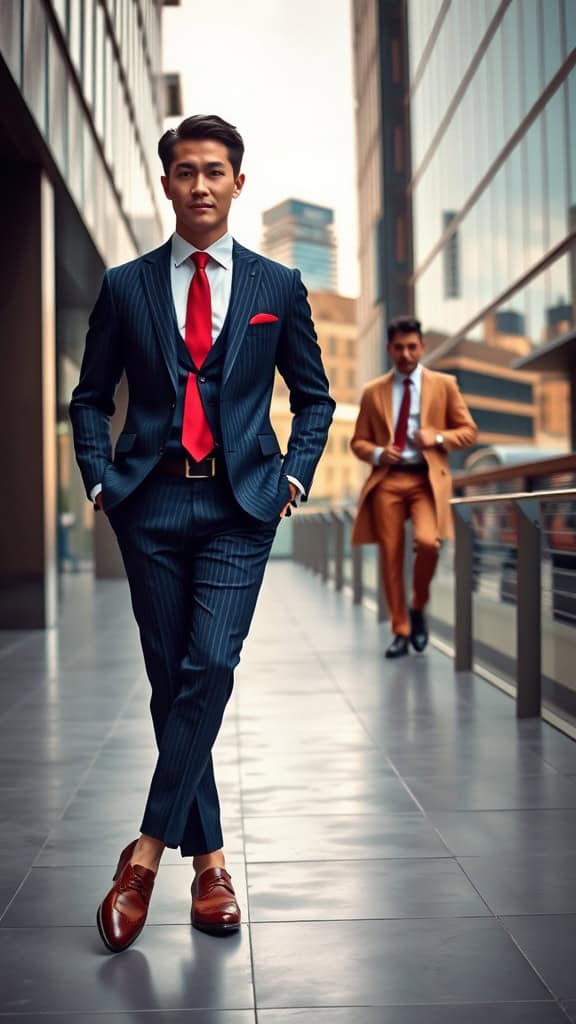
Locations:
column 419, row 630
column 398, row 647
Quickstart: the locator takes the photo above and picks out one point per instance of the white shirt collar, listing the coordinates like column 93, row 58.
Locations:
column 220, row 250
column 415, row 376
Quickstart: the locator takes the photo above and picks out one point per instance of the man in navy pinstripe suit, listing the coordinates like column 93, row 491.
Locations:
column 195, row 487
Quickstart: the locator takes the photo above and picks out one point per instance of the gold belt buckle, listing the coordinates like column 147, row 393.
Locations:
column 189, row 475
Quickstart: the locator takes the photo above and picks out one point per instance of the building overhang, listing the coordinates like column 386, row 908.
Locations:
column 558, row 356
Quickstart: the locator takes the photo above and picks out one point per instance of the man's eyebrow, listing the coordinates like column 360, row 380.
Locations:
column 192, row 166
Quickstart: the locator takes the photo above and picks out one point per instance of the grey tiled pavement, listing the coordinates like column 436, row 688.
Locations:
column 402, row 848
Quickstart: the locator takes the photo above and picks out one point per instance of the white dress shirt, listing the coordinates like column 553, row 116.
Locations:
column 219, row 274
column 410, row 453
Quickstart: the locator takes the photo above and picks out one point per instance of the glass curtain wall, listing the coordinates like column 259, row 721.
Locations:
column 493, row 108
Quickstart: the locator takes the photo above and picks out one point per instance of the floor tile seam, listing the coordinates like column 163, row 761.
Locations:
column 243, row 835
column 341, row 860
column 72, row 797
column 393, row 919
column 410, row 1006
column 500, row 918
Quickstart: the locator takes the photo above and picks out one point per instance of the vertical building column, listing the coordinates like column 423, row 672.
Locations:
column 28, row 570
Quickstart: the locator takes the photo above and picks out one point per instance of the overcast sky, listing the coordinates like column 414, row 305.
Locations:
column 281, row 71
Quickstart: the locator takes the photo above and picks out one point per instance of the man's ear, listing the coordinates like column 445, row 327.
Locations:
column 165, row 186
column 238, row 185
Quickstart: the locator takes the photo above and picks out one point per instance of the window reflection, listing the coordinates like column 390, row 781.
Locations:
column 557, row 192
column 531, row 32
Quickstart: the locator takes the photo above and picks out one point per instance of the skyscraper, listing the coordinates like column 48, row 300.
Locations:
column 301, row 235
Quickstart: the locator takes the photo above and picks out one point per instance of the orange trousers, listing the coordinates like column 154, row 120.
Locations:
column 402, row 496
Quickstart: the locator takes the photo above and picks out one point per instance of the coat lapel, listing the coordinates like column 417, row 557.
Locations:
column 247, row 270
column 425, row 397
column 158, row 291
column 386, row 403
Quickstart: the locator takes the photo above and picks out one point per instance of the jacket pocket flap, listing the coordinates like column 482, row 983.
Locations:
column 124, row 444
column 269, row 444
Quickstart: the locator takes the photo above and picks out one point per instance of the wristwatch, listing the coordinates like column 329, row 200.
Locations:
column 439, row 439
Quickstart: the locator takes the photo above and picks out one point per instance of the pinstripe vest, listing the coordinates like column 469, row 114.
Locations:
column 209, row 381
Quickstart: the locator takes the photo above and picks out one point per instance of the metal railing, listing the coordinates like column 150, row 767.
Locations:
column 514, row 552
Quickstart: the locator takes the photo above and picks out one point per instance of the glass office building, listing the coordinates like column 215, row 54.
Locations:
column 301, row 235
column 81, row 111
column 486, row 143
column 492, row 94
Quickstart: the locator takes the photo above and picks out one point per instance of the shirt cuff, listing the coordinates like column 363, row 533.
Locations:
column 297, row 484
column 376, row 456
column 95, row 492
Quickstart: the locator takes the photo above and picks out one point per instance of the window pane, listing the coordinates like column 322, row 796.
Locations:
column 35, row 60
column 556, row 165
column 57, row 101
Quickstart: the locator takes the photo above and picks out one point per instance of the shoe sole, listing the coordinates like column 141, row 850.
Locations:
column 216, row 929
column 112, row 949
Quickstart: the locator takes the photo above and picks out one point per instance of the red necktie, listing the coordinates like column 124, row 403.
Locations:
column 401, row 432
column 196, row 434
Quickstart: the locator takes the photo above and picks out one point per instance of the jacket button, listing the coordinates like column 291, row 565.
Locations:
column 202, row 380
column 161, row 450
column 172, row 405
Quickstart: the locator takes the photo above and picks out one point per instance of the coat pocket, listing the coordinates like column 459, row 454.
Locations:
column 268, row 444
column 124, row 444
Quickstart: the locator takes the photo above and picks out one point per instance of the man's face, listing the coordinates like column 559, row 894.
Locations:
column 406, row 351
column 201, row 186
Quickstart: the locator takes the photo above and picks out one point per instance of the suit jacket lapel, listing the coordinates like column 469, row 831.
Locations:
column 158, row 291
column 247, row 269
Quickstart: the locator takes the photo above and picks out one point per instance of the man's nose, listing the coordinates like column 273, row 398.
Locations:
column 200, row 185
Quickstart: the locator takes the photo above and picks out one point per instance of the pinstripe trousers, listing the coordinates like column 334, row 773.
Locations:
column 195, row 562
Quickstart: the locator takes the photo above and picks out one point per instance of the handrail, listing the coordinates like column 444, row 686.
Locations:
column 492, row 499
column 544, row 467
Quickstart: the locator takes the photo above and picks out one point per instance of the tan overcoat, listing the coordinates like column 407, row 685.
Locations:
column 443, row 409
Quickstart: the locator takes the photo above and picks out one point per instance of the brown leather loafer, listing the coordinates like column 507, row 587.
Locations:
column 122, row 914
column 214, row 906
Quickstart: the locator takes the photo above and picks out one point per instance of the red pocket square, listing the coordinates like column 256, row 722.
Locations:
column 263, row 318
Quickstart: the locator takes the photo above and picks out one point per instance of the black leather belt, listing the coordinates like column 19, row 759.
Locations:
column 187, row 468
column 409, row 467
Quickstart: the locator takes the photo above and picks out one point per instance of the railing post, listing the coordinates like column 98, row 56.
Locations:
column 463, row 569
column 357, row 585
column 529, row 611
column 382, row 605
column 324, row 526
column 338, row 526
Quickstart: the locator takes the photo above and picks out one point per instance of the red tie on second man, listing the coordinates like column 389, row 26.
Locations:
column 401, row 432
column 197, row 437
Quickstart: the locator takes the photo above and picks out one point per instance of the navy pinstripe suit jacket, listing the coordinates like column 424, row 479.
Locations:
column 132, row 330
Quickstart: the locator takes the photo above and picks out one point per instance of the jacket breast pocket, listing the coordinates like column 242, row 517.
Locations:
column 268, row 444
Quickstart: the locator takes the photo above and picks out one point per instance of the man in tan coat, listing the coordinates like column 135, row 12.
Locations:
column 409, row 420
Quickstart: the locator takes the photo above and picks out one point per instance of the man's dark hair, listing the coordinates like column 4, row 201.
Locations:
column 403, row 325
column 202, row 126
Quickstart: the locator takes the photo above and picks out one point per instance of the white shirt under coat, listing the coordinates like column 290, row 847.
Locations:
column 410, row 453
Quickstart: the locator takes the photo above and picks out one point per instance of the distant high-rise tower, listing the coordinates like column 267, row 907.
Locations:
column 301, row 235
